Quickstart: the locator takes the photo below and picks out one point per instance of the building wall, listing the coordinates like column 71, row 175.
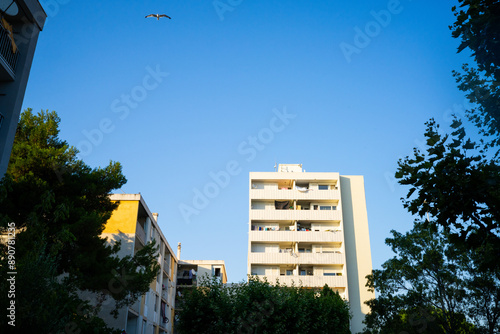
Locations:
column 335, row 246
column 143, row 317
column 357, row 240
column 27, row 26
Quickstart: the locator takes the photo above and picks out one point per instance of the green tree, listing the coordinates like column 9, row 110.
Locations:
column 446, row 271
column 459, row 187
column 430, row 286
column 260, row 307
column 61, row 205
column 477, row 25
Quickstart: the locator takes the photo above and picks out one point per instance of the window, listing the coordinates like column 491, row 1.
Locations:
column 323, row 187
column 289, row 272
column 302, row 273
column 217, row 272
column 329, row 274
column 327, row 207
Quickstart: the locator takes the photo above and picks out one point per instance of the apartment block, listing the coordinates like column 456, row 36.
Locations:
column 20, row 24
column 311, row 228
column 135, row 225
column 191, row 272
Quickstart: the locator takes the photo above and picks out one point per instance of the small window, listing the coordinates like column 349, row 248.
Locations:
column 329, row 274
column 315, row 207
column 323, row 187
column 289, row 272
column 302, row 273
column 217, row 272
column 325, row 207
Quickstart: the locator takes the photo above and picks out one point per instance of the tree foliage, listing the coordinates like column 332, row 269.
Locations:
column 431, row 286
column 458, row 187
column 260, row 307
column 477, row 25
column 59, row 207
column 445, row 277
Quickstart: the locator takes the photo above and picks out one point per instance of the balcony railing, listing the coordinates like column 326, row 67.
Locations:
column 6, row 53
column 136, row 307
column 296, row 258
column 186, row 281
column 297, row 236
column 272, row 214
column 166, row 267
column 309, row 281
column 294, row 194
column 139, row 232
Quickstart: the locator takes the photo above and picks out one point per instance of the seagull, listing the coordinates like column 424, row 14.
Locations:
column 158, row 16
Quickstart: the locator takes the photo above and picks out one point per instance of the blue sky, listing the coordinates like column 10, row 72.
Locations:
column 176, row 101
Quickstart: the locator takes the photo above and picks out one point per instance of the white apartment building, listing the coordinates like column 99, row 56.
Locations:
column 311, row 229
column 191, row 272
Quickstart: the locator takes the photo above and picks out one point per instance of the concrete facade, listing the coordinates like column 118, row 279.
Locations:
column 21, row 23
column 311, row 229
column 135, row 225
column 191, row 272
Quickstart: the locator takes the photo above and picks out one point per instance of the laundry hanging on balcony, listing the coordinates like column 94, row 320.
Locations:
column 163, row 313
column 281, row 205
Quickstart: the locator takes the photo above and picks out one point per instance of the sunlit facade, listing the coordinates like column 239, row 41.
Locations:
column 311, row 229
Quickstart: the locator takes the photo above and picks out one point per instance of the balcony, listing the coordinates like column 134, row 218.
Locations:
column 140, row 234
column 273, row 214
column 310, row 281
column 136, row 307
column 296, row 236
column 294, row 194
column 166, row 268
column 8, row 59
column 185, row 281
column 165, row 295
column 296, row 258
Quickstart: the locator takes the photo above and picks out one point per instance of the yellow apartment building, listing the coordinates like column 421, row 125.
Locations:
column 135, row 225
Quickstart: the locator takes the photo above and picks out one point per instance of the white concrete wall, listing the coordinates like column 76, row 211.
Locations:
column 357, row 247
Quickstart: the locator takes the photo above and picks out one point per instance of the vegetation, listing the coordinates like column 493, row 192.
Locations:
column 478, row 28
column 59, row 206
column 431, row 286
column 459, row 187
column 260, row 307
column 445, row 277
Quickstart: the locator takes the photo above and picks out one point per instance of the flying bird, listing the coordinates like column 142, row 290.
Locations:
column 158, row 16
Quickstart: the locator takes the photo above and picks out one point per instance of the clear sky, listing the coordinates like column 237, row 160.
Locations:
column 179, row 101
